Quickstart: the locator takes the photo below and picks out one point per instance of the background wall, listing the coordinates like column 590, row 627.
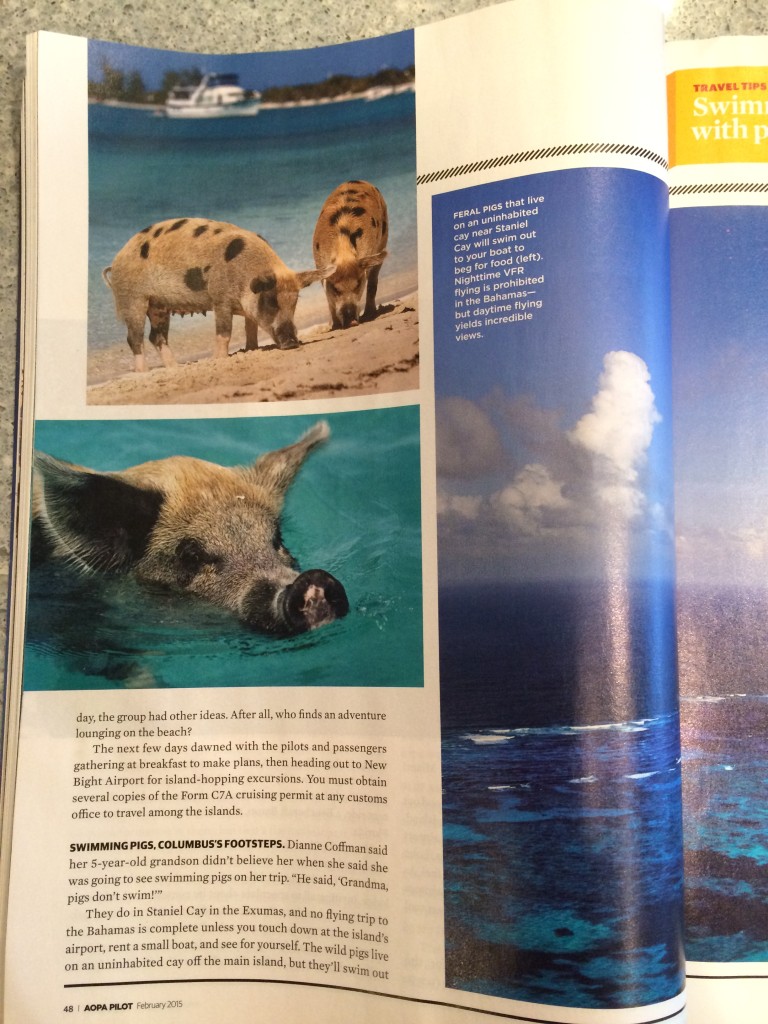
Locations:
column 211, row 25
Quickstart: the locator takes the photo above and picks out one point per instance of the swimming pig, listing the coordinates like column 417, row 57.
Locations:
column 192, row 526
column 349, row 247
column 191, row 265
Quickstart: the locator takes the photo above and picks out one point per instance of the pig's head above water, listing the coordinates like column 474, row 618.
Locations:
column 192, row 526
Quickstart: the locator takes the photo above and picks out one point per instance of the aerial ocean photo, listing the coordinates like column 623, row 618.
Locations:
column 720, row 254
column 561, row 752
column 726, row 853
column 563, row 872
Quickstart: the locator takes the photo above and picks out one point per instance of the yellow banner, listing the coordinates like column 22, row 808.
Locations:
column 718, row 115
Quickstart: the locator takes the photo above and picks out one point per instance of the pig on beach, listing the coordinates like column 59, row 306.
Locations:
column 192, row 265
column 349, row 247
column 189, row 526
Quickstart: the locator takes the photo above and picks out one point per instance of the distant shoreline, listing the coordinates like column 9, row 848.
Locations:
column 376, row 92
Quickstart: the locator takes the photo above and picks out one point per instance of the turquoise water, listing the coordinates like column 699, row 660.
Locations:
column 725, row 769
column 270, row 174
column 550, row 834
column 354, row 510
column 554, row 823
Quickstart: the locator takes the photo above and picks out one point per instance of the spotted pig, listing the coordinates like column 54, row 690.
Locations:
column 192, row 265
column 351, row 236
column 192, row 527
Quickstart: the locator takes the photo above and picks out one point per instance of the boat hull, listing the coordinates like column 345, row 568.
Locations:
column 206, row 110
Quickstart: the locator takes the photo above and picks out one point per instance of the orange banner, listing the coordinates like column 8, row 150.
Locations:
column 718, row 115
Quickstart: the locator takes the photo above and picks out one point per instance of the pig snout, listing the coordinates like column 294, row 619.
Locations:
column 313, row 599
column 348, row 315
column 285, row 335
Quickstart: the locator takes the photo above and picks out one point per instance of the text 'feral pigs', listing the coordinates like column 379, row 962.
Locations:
column 192, row 265
column 192, row 526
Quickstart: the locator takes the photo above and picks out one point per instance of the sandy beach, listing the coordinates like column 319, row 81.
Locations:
column 375, row 357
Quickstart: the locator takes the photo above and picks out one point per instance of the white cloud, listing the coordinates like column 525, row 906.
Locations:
column 464, row 506
column 518, row 487
column 618, row 432
column 532, row 501
column 753, row 541
column 719, row 554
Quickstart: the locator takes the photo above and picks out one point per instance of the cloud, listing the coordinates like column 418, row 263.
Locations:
column 618, row 432
column 532, row 502
column 517, row 487
column 720, row 554
column 468, row 444
column 752, row 541
column 464, row 506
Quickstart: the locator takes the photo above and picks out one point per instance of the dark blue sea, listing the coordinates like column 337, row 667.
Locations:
column 562, row 831
column 542, row 654
column 270, row 174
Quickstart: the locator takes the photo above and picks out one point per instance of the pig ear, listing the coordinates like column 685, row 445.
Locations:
column 96, row 521
column 276, row 470
column 375, row 260
column 310, row 276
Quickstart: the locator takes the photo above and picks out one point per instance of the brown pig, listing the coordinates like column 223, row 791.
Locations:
column 190, row 526
column 192, row 265
column 351, row 236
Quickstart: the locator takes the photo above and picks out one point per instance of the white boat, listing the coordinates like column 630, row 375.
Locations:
column 216, row 95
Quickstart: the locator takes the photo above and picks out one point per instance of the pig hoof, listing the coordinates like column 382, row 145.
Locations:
column 313, row 599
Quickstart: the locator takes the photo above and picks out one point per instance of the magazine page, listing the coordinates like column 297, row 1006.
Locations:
column 718, row 92
column 260, row 580
column 551, row 376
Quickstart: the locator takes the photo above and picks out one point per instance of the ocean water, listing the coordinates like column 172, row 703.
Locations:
column 725, row 777
column 723, row 634
column 547, row 654
column 562, row 875
column 562, row 831
column 354, row 510
column 270, row 173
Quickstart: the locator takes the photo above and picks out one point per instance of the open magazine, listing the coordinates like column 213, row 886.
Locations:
column 388, row 644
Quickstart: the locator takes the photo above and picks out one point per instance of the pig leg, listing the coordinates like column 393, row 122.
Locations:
column 134, row 318
column 369, row 313
column 251, row 334
column 159, row 325
column 336, row 324
column 223, row 315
